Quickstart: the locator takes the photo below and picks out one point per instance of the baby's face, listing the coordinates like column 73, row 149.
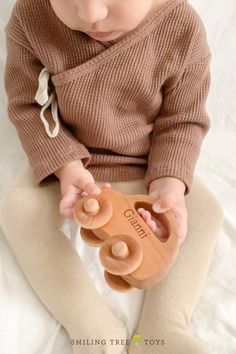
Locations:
column 116, row 16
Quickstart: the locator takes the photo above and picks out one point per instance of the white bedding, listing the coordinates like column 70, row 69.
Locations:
column 26, row 327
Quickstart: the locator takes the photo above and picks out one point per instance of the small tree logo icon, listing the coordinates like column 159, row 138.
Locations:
column 136, row 338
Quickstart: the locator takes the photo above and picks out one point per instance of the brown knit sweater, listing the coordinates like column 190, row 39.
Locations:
column 130, row 108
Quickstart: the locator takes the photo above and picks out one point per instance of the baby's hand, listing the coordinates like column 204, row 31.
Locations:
column 75, row 182
column 168, row 193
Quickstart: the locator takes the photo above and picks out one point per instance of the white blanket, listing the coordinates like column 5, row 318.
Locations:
column 26, row 327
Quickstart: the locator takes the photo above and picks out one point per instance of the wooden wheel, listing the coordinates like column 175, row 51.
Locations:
column 117, row 283
column 90, row 238
column 101, row 212
column 124, row 261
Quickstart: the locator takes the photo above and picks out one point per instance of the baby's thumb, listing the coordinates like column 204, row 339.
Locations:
column 163, row 204
column 92, row 188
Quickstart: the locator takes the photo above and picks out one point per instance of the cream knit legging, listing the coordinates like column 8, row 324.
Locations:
column 31, row 222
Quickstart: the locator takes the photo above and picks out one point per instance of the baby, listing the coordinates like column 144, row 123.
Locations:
column 103, row 92
column 109, row 22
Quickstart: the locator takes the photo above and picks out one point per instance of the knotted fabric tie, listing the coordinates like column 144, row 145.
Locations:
column 45, row 101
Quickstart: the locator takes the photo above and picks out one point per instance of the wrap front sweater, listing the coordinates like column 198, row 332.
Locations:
column 129, row 109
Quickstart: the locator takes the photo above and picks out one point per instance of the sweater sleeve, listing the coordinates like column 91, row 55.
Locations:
column 45, row 154
column 181, row 126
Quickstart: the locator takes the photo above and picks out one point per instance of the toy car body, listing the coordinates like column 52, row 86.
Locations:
column 130, row 252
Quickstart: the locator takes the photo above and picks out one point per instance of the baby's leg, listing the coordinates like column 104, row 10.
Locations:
column 30, row 220
column 169, row 305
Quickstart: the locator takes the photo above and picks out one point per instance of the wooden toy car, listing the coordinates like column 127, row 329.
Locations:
column 130, row 252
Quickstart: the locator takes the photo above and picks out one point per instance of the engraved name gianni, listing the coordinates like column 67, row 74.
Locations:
column 131, row 217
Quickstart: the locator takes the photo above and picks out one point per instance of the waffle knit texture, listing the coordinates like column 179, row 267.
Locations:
column 129, row 109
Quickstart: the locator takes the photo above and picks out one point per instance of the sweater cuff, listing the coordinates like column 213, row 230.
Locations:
column 169, row 171
column 43, row 170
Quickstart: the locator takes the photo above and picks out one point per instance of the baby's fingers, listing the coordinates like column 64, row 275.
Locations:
column 68, row 202
column 155, row 225
column 107, row 184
